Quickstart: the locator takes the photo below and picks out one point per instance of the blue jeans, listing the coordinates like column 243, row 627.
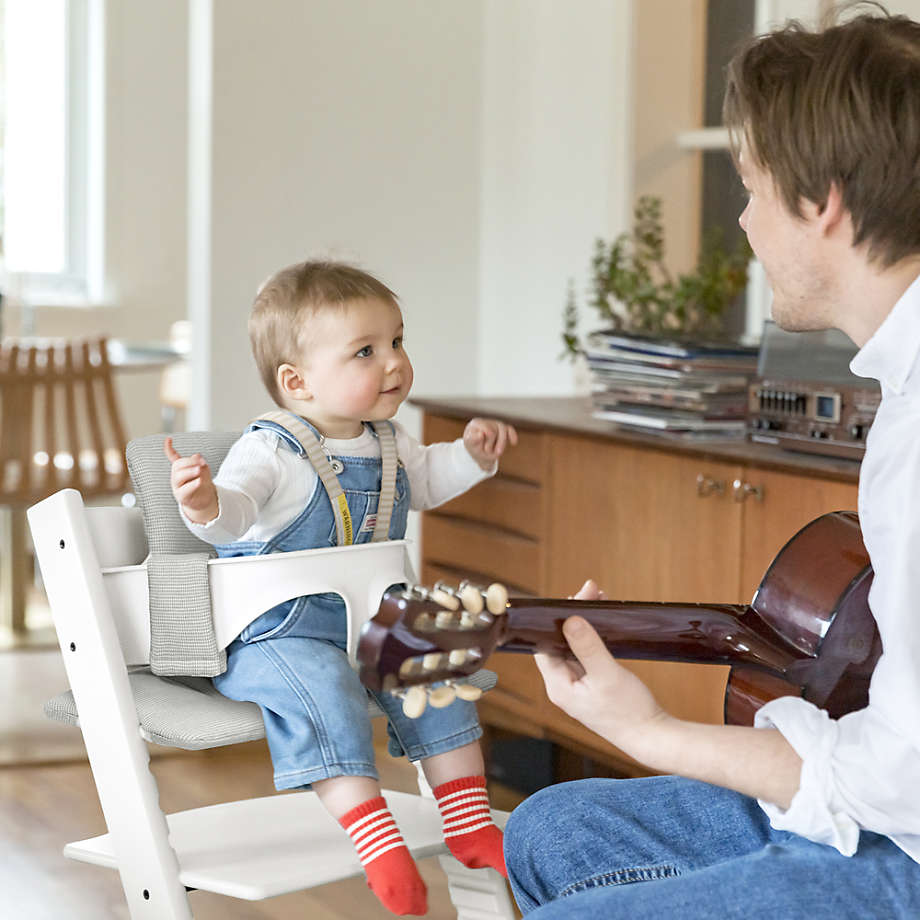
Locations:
column 315, row 707
column 668, row 848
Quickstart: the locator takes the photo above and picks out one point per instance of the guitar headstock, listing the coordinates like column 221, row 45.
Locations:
column 422, row 636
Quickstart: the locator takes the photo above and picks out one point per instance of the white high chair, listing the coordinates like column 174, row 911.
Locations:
column 92, row 563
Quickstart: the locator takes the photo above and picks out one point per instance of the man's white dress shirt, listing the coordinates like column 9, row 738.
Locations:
column 863, row 770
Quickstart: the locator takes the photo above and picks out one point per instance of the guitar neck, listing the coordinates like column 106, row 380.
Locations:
column 703, row 633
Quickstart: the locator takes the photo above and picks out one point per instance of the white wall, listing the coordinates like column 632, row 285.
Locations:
column 351, row 126
column 556, row 159
column 468, row 151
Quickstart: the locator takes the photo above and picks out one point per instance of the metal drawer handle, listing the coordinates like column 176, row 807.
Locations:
column 706, row 485
column 742, row 490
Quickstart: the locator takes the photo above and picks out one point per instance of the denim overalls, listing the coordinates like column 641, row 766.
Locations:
column 291, row 660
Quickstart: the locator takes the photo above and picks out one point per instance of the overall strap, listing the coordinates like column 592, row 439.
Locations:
column 313, row 451
column 388, row 463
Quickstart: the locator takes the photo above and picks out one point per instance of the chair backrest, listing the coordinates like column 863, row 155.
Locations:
column 60, row 419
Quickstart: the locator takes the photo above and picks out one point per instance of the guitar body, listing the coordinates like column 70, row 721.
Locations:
column 808, row 631
column 815, row 595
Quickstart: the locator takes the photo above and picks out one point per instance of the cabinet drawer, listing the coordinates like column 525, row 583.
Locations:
column 499, row 556
column 524, row 461
column 507, row 503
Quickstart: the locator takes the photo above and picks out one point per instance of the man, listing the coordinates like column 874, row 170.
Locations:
column 800, row 816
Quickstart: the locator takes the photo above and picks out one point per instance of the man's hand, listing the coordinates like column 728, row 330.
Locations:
column 192, row 486
column 594, row 688
column 486, row 439
column 612, row 701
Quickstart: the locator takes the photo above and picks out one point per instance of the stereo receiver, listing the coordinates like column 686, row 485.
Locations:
column 806, row 398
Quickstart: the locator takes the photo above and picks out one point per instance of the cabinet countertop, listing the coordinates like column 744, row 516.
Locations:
column 572, row 415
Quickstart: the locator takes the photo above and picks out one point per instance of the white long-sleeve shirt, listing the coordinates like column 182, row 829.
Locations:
column 863, row 770
column 263, row 485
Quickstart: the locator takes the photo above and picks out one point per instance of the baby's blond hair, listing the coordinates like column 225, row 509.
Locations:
column 278, row 323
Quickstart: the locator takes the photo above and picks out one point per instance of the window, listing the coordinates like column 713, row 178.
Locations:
column 729, row 22
column 50, row 163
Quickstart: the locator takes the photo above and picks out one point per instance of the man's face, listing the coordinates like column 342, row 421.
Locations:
column 789, row 248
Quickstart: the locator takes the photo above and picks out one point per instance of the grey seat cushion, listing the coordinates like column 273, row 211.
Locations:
column 189, row 713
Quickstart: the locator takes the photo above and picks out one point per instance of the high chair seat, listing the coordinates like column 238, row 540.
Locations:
column 189, row 713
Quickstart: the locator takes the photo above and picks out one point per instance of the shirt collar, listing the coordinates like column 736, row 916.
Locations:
column 890, row 354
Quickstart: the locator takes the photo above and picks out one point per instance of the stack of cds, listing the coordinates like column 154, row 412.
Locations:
column 682, row 388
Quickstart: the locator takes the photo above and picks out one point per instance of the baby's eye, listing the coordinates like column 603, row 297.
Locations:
column 365, row 352
column 397, row 342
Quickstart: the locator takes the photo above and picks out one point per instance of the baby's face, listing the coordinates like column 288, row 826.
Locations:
column 355, row 366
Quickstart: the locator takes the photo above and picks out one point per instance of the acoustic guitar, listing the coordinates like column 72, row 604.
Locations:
column 808, row 631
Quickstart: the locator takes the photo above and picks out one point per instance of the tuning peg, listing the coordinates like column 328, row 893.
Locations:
column 471, row 598
column 496, row 598
column 442, row 597
column 468, row 620
column 442, row 696
column 409, row 668
column 414, row 702
column 457, row 658
column 431, row 661
column 468, row 692
column 444, row 620
column 424, row 622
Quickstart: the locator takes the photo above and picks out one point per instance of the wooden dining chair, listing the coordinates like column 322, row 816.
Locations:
column 60, row 427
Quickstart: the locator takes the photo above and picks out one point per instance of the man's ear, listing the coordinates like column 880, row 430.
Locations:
column 292, row 382
column 834, row 213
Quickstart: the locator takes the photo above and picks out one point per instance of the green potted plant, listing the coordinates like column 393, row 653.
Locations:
column 633, row 291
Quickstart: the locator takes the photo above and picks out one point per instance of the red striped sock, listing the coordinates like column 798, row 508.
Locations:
column 469, row 831
column 391, row 872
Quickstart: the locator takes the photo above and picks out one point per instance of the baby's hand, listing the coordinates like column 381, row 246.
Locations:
column 192, row 486
column 486, row 439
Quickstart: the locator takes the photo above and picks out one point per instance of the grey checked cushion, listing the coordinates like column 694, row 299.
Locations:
column 183, row 712
column 149, row 469
column 187, row 712
column 182, row 640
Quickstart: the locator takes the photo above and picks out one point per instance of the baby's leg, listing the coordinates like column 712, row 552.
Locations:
column 342, row 793
column 315, row 713
column 458, row 783
column 356, row 802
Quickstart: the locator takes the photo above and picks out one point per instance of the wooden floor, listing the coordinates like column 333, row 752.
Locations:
column 49, row 801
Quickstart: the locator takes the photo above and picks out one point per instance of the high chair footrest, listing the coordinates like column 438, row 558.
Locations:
column 260, row 848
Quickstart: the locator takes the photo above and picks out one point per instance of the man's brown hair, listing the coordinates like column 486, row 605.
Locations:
column 839, row 106
column 285, row 302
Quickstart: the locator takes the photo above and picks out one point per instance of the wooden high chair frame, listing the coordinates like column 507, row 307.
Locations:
column 61, row 427
column 91, row 563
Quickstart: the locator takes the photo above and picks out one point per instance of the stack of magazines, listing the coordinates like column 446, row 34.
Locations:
column 682, row 388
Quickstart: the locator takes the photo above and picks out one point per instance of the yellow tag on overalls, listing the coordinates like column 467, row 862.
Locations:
column 347, row 529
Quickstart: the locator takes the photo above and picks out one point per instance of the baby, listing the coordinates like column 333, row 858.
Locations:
column 328, row 342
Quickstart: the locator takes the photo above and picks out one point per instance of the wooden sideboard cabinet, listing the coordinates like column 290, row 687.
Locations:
column 648, row 519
